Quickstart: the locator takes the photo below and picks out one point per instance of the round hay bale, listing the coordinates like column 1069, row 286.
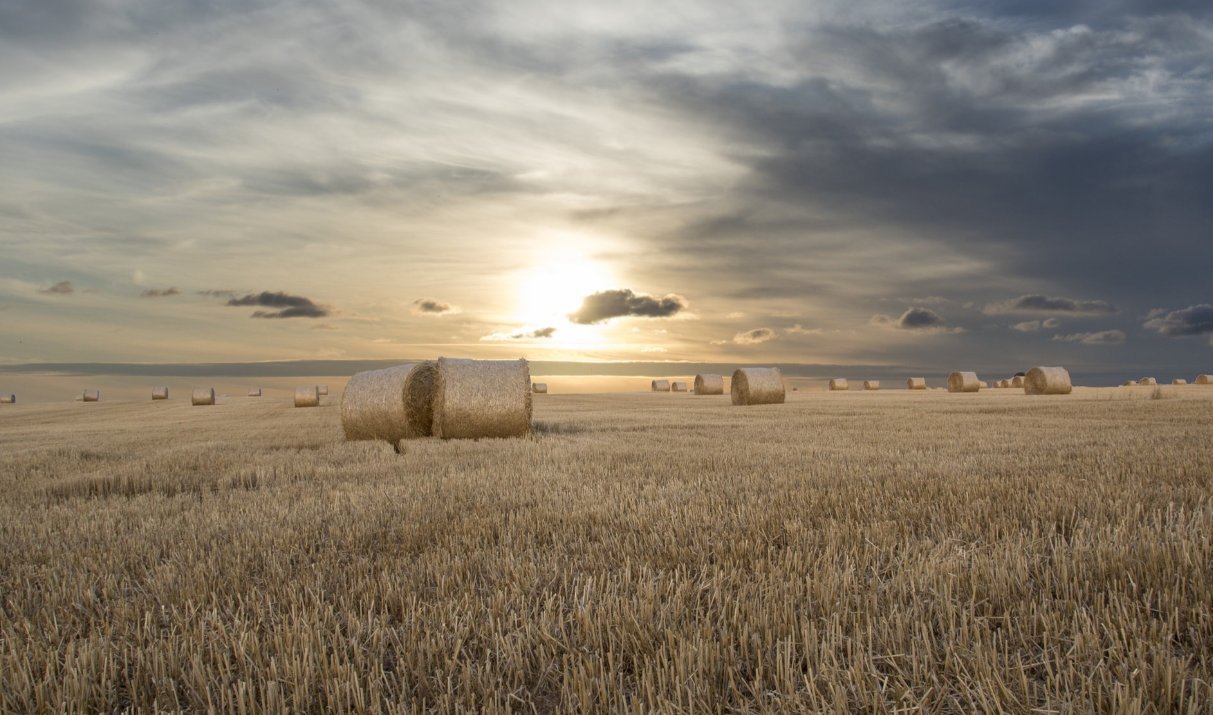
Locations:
column 1204, row 379
column 709, row 384
column 1179, row 381
column 1147, row 381
column 91, row 396
column 757, row 386
column 1017, row 381
column 983, row 384
column 1047, row 381
column 307, row 396
column 678, row 386
column 916, row 383
column 871, row 384
column 202, row 396
column 391, row 404
column 482, row 398
column 1129, row 383
column 159, row 393
column 839, row 384
column 254, row 392
column 660, row 385
column 1004, row 383
column 963, row 382
column 322, row 389
column 539, row 388
column 9, row 399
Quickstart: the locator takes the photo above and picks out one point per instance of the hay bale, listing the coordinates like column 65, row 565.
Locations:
column 1047, row 381
column 757, row 386
column 1204, row 379
column 1147, row 381
column 391, row 404
column 254, row 392
column 1179, row 381
column 91, row 396
column 660, row 385
column 539, row 388
column 482, row 398
column 307, row 396
column 839, row 384
column 678, row 386
column 1129, row 383
column 983, row 384
column 1017, row 381
column 203, row 396
column 963, row 382
column 322, row 389
column 9, row 399
column 1004, row 383
column 871, row 384
column 916, row 383
column 159, row 393
column 708, row 384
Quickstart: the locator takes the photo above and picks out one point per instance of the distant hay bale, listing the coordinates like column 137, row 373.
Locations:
column 322, row 389
column 91, row 396
column 1047, row 381
column 871, row 384
column 539, row 388
column 307, row 396
column 983, row 384
column 1147, row 381
column 482, row 398
column 1204, row 379
column 1017, row 381
column 391, row 404
column 839, row 384
column 660, row 385
column 9, row 399
column 159, row 393
column 1004, row 383
column 1129, row 383
column 203, row 396
column 1179, row 381
column 678, row 386
column 963, row 382
column 916, row 383
column 757, row 386
column 709, row 384
column 254, row 392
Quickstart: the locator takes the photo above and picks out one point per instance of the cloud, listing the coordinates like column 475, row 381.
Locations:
column 60, row 288
column 919, row 320
column 1103, row 337
column 429, row 306
column 609, row 304
column 1193, row 320
column 1036, row 303
column 538, row 334
column 1032, row 326
column 218, row 293
column 285, row 305
column 159, row 292
column 754, row 337
column 653, row 349
column 799, row 329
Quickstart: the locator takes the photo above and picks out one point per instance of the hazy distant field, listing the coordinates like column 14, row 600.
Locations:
column 888, row 552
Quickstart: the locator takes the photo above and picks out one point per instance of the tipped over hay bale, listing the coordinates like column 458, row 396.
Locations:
column 678, row 386
column 322, row 389
column 871, row 384
column 91, row 396
column 916, row 383
column 757, row 386
column 708, row 384
column 1047, row 381
column 839, row 384
column 1204, row 379
column 1179, row 381
column 159, row 393
column 1017, row 381
column 307, row 396
column 660, row 385
column 963, row 382
column 391, row 404
column 9, row 399
column 203, row 396
column 254, row 392
column 539, row 388
column 1147, row 381
column 482, row 398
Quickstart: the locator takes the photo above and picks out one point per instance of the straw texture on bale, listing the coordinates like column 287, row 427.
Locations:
column 839, row 384
column 963, row 382
column 678, row 386
column 916, row 383
column 159, row 393
column 1017, row 381
column 322, row 389
column 1204, row 379
column 1147, row 381
column 1179, row 381
column 708, row 384
column 540, row 388
column 307, row 396
column 8, row 399
column 92, row 396
column 254, row 392
column 1047, row 381
column 482, row 398
column 391, row 404
column 203, row 396
column 660, row 385
column 757, row 386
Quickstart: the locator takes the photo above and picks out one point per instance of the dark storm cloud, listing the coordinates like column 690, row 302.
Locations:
column 609, row 304
column 60, row 288
column 429, row 306
column 159, row 292
column 1047, row 304
column 917, row 319
column 285, row 305
column 1193, row 320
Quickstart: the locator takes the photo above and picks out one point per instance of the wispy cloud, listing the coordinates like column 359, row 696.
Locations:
column 60, row 288
column 1046, row 304
column 429, row 306
column 1102, row 337
column 285, row 305
column 159, row 292
column 537, row 334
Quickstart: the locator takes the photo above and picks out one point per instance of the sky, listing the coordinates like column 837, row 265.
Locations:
column 956, row 184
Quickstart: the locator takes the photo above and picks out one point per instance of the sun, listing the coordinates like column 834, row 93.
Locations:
column 548, row 292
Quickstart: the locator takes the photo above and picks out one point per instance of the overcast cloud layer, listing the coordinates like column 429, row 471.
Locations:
column 978, row 185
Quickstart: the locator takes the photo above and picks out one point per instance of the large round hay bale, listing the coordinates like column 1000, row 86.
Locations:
column 839, row 384
column 482, row 398
column 539, row 388
column 92, row 396
column 391, row 404
column 322, row 389
column 1179, row 381
column 660, row 385
column 307, row 396
column 871, row 384
column 678, row 386
column 916, row 383
column 1147, row 381
column 254, row 392
column 1017, row 381
column 709, row 384
column 202, row 396
column 963, row 382
column 9, row 399
column 1204, row 379
column 1047, row 381
column 159, row 393
column 757, row 386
